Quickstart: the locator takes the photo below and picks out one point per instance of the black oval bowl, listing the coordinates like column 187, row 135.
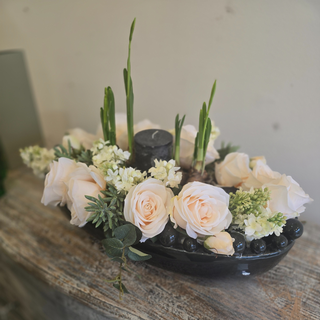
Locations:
column 202, row 263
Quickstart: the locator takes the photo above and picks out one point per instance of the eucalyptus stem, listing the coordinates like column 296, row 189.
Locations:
column 178, row 128
column 129, row 93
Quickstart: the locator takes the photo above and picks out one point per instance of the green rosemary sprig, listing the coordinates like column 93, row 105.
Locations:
column 85, row 157
column 79, row 155
column 108, row 210
column 61, row 152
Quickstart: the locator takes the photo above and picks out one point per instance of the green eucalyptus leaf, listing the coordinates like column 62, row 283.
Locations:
column 137, row 255
column 113, row 247
column 126, row 233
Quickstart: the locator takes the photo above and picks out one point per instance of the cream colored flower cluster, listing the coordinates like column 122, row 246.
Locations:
column 106, row 157
column 38, row 159
column 166, row 172
column 124, row 178
column 262, row 225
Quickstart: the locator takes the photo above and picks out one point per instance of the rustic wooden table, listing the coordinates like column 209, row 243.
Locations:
column 53, row 270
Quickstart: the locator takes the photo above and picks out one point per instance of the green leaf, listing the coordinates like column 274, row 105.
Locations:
column 124, row 289
column 137, row 255
column 113, row 247
column 126, row 233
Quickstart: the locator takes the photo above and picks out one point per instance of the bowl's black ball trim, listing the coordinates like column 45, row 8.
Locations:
column 201, row 263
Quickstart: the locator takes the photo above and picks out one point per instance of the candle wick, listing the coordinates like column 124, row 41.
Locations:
column 154, row 134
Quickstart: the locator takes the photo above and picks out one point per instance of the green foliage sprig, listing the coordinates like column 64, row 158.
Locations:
column 79, row 155
column 120, row 248
column 107, row 116
column 108, row 210
column 178, row 128
column 129, row 93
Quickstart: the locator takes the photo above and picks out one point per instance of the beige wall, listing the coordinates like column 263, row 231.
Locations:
column 264, row 54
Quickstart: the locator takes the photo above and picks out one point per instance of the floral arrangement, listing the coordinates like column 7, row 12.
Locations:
column 222, row 201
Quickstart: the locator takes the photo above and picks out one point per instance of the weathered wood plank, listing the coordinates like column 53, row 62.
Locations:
column 41, row 241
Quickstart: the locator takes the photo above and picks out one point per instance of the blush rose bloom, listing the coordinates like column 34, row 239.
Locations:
column 56, row 182
column 83, row 181
column 287, row 197
column 234, row 170
column 187, row 139
column 260, row 175
column 201, row 209
column 221, row 243
column 146, row 206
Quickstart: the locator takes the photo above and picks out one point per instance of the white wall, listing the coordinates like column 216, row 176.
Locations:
column 264, row 54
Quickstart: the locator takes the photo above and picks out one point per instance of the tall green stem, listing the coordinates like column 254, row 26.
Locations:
column 129, row 93
column 178, row 128
column 203, row 133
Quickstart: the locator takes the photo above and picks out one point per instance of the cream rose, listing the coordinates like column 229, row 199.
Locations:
column 287, row 197
column 55, row 185
column 79, row 137
column 221, row 243
column 146, row 206
column 83, row 181
column 260, row 175
column 233, row 170
column 187, row 139
column 201, row 209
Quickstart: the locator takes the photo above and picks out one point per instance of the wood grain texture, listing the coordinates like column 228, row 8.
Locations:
column 41, row 241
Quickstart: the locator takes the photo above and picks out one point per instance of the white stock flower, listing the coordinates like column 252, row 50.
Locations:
column 267, row 223
column 125, row 178
column 234, row 170
column 166, row 172
column 146, row 206
column 38, row 159
column 107, row 157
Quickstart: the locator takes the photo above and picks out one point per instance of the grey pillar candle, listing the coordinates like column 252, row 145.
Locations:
column 150, row 145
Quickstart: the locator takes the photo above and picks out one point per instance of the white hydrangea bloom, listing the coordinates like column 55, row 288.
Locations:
column 166, row 172
column 38, row 159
